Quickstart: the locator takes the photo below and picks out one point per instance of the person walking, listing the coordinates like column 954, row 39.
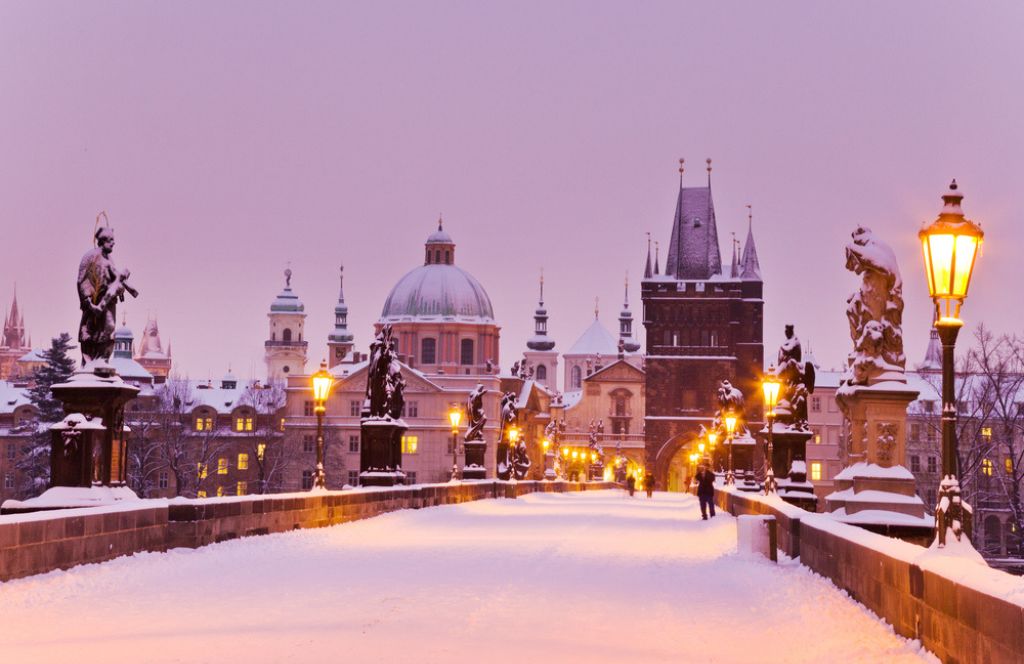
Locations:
column 649, row 484
column 706, row 491
column 630, row 484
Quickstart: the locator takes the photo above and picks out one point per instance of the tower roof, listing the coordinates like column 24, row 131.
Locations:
column 750, row 267
column 540, row 339
column 933, row 354
column 693, row 251
column 287, row 301
column 341, row 333
column 596, row 339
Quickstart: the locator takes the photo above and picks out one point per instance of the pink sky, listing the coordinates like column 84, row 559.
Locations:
column 227, row 139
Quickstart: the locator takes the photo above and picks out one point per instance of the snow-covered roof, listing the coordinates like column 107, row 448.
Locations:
column 11, row 397
column 437, row 292
column 34, row 355
column 594, row 340
column 570, row 399
column 129, row 369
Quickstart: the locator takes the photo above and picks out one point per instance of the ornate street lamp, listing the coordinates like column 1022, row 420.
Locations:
column 322, row 381
column 730, row 429
column 454, row 417
column 770, row 386
column 950, row 246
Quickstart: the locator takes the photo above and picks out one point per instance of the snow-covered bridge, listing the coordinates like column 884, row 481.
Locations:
column 593, row 576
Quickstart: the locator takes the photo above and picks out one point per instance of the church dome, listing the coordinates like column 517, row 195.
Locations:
column 438, row 289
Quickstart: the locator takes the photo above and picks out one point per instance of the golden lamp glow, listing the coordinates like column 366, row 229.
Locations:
column 770, row 385
column 513, row 434
column 455, row 416
column 575, row 454
column 693, row 458
column 322, row 381
column 565, row 451
column 546, row 444
column 700, row 448
column 730, row 423
column 950, row 246
column 712, row 438
column 593, row 456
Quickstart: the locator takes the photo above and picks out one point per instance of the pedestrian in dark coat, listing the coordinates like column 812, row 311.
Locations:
column 649, row 484
column 706, row 491
column 631, row 484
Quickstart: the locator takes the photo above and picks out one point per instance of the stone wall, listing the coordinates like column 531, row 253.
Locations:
column 44, row 541
column 956, row 612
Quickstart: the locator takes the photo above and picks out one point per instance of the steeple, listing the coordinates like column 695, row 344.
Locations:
column 933, row 355
column 693, row 251
column 751, row 268
column 734, row 268
column 440, row 248
column 540, row 339
column 648, row 273
column 626, row 323
column 14, row 326
column 655, row 258
column 340, row 341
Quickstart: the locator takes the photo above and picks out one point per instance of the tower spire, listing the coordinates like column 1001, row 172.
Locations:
column 656, row 257
column 682, row 169
column 750, row 266
column 597, row 307
column 540, row 340
column 541, row 287
column 627, row 343
column 647, row 266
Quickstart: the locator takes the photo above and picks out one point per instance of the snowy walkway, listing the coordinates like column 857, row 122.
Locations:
column 592, row 577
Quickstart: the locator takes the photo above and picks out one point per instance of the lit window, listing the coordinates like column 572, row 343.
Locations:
column 409, row 444
column 220, row 491
column 239, row 424
column 201, row 471
column 248, row 424
column 815, row 471
column 222, row 466
column 1008, row 464
column 261, row 451
column 243, row 461
column 201, row 494
column 204, row 424
column 986, row 467
column 241, row 489
column 282, row 424
column 199, row 424
column 817, row 439
column 986, row 433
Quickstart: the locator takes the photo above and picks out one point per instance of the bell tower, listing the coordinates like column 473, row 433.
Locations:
column 340, row 342
column 541, row 354
column 285, row 350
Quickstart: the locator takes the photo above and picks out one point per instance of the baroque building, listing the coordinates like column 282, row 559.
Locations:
column 704, row 324
column 285, row 350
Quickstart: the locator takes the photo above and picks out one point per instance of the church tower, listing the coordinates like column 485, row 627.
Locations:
column 285, row 350
column 629, row 344
column 340, row 342
column 541, row 354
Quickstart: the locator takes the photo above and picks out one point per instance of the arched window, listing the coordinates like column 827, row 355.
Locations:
column 576, row 378
column 428, row 351
column 437, row 255
column 466, row 353
column 542, row 372
column 620, row 405
column 286, row 336
column 447, row 257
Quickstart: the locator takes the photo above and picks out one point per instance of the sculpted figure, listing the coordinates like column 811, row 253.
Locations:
column 477, row 418
column 100, row 287
column 875, row 311
column 385, row 384
column 797, row 378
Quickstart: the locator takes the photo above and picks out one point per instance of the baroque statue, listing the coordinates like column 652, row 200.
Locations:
column 874, row 311
column 797, row 379
column 477, row 417
column 100, row 287
column 385, row 384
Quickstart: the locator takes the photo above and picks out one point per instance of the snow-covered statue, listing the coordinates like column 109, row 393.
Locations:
column 520, row 460
column 730, row 399
column 797, row 378
column 595, row 436
column 385, row 384
column 477, row 417
column 509, row 413
column 875, row 311
column 100, row 287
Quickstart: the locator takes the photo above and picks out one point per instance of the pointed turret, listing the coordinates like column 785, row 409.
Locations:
column 626, row 323
column 734, row 268
column 340, row 341
column 751, row 268
column 540, row 353
column 933, row 354
column 14, row 326
column 540, row 339
column 648, row 272
column 693, row 251
column 656, row 272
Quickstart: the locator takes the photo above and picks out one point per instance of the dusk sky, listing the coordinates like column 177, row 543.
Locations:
column 228, row 139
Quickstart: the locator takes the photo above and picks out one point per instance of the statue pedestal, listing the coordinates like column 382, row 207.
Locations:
column 380, row 455
column 88, row 456
column 789, row 451
column 549, row 465
column 475, row 469
column 876, row 491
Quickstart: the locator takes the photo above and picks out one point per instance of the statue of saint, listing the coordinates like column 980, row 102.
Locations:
column 477, row 418
column 797, row 379
column 385, row 384
column 100, row 287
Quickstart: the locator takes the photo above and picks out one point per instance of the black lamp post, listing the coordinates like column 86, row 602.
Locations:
column 770, row 386
column 454, row 417
column 950, row 245
column 322, row 381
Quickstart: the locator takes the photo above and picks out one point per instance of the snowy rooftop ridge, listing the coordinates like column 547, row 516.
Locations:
column 596, row 339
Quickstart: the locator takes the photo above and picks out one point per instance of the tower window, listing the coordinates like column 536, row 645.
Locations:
column 437, row 255
column 428, row 351
column 286, row 336
column 542, row 372
column 467, row 351
column 447, row 257
column 576, row 377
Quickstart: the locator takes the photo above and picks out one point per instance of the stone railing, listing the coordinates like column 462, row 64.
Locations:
column 959, row 608
column 44, row 541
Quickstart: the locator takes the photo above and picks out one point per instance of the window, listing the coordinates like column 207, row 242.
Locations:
column 428, row 351
column 986, row 433
column 986, row 467
column 817, row 439
column 410, row 409
column 201, row 493
column 815, row 404
column 931, row 434
column 261, row 451
column 281, row 427
column 409, row 444
column 915, row 432
column 162, row 480
column 241, row 489
column 931, row 465
column 931, row 497
column 353, row 443
column 307, row 408
column 243, row 461
column 9, row 481
column 542, row 372
column 202, row 471
column 220, row 491
column 308, row 443
column 204, row 423
column 466, row 351
column 451, row 445
column 307, row 479
column 929, row 406
column 243, row 424
column 915, row 463
column 353, row 478
column 222, row 466
column 286, row 336
column 1008, row 465
column 815, row 471
column 354, row 407
column 576, row 378
column 410, row 477
column 10, row 451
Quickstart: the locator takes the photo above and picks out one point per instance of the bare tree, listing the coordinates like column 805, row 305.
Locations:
column 267, row 441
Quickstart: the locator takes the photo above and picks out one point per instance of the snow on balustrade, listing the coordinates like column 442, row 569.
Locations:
column 595, row 577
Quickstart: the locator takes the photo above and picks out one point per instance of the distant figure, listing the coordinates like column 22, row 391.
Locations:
column 706, row 491
column 649, row 484
column 630, row 484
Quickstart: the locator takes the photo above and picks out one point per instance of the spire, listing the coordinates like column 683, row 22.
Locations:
column 14, row 325
column 656, row 257
column 626, row 323
column 540, row 340
column 751, row 268
column 933, row 354
column 693, row 251
column 341, row 334
column 597, row 306
column 648, row 273
column 734, row 270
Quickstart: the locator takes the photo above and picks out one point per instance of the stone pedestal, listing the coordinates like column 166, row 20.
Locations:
column 789, row 451
column 549, row 465
column 475, row 468
column 380, row 453
column 875, row 490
